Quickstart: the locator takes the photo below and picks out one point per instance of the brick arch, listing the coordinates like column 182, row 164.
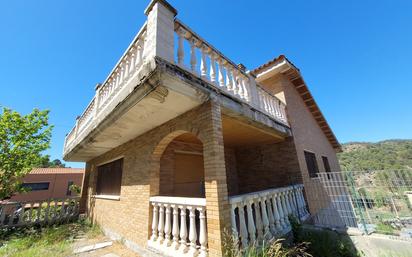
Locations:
column 158, row 152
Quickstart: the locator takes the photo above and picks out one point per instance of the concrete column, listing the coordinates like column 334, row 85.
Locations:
column 160, row 31
column 217, row 205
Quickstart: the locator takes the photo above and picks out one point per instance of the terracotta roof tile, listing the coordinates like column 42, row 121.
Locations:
column 56, row 170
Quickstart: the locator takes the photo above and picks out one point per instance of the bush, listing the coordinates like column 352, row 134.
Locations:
column 325, row 243
column 43, row 241
column 272, row 248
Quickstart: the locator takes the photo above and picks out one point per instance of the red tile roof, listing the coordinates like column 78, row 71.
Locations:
column 56, row 170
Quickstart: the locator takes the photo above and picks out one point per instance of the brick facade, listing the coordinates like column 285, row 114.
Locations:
column 307, row 136
column 130, row 216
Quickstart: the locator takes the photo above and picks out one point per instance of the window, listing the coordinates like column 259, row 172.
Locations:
column 326, row 163
column 311, row 164
column 68, row 191
column 38, row 186
column 109, row 178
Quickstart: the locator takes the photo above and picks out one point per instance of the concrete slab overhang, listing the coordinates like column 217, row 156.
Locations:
column 165, row 92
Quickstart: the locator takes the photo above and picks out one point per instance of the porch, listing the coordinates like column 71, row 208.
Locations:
column 263, row 184
column 179, row 224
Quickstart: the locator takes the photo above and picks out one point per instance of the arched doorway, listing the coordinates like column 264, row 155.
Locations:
column 182, row 168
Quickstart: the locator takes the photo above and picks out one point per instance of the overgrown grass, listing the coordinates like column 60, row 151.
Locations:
column 48, row 241
column 273, row 248
column 325, row 243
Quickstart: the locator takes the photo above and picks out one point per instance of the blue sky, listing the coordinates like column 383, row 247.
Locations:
column 355, row 56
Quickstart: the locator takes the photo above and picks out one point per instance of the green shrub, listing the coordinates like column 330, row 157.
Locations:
column 272, row 248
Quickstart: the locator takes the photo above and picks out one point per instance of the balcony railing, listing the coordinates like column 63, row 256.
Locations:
column 191, row 53
column 179, row 226
column 262, row 215
column 202, row 59
column 114, row 87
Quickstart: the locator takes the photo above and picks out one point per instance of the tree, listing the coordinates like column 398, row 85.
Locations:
column 22, row 139
column 46, row 163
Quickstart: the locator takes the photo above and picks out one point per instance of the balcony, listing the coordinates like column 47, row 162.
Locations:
column 167, row 70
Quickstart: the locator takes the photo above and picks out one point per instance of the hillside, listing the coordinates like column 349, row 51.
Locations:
column 384, row 155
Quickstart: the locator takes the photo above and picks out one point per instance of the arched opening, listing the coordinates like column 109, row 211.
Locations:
column 181, row 171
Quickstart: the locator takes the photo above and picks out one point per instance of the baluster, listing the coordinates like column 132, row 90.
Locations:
column 121, row 73
column 265, row 102
column 270, row 214
column 233, row 221
column 281, row 211
column 239, row 85
column 127, row 67
column 117, row 79
column 246, row 91
column 258, row 218
column 242, row 225
column 212, row 68
column 265, row 220
column 193, row 61
column 161, row 226
column 20, row 220
column 251, row 224
column 287, row 201
column 139, row 54
column 220, row 73
column 294, row 202
column 183, row 230
column 268, row 105
column 203, row 69
column 304, row 205
column 154, row 222
column 11, row 218
column 180, row 47
column 234, row 82
column 175, row 230
column 277, row 108
column 299, row 203
column 132, row 60
column 168, row 226
column 283, row 111
column 192, row 232
column 285, row 209
column 276, row 216
column 202, row 232
column 228, row 78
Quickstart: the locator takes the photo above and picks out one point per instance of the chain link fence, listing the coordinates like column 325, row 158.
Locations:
column 378, row 201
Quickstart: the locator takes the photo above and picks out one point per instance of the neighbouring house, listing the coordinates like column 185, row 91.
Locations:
column 49, row 183
column 182, row 144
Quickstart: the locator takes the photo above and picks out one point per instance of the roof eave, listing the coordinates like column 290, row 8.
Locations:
column 282, row 65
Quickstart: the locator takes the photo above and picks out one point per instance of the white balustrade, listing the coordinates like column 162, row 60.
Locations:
column 266, row 213
column 123, row 72
column 185, row 238
column 223, row 73
column 43, row 213
column 202, row 59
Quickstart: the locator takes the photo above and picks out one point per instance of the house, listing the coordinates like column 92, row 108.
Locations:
column 49, row 183
column 181, row 144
